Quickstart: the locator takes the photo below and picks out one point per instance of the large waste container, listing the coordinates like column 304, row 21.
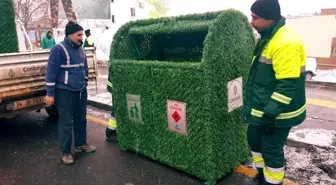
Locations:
column 8, row 35
column 178, row 89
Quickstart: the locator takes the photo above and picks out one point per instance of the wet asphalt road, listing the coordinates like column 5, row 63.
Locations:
column 29, row 155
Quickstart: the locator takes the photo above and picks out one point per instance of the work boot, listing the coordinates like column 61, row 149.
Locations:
column 85, row 148
column 67, row 159
column 111, row 135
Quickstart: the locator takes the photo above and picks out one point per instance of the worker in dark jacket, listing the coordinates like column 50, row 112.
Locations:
column 276, row 99
column 66, row 80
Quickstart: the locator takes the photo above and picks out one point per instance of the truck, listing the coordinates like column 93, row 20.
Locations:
column 22, row 77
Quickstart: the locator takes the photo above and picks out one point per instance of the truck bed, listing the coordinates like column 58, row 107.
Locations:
column 22, row 78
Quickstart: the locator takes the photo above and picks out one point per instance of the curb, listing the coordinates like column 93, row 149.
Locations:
column 299, row 144
column 322, row 85
column 99, row 105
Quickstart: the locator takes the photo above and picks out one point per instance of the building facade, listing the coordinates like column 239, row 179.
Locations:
column 328, row 11
column 317, row 33
column 123, row 11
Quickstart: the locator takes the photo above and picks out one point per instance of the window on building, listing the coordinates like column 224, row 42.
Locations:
column 112, row 1
column 132, row 12
column 113, row 19
column 333, row 52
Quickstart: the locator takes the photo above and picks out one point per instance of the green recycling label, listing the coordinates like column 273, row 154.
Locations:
column 134, row 107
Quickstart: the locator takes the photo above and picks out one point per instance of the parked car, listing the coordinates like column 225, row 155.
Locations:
column 311, row 67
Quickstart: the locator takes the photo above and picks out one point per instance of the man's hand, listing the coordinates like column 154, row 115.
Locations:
column 269, row 124
column 49, row 101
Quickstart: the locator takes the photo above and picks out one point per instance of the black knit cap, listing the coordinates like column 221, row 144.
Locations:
column 72, row 28
column 267, row 9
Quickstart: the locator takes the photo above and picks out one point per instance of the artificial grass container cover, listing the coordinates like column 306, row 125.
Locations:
column 8, row 35
column 170, row 78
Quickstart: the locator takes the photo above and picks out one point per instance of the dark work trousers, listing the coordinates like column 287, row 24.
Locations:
column 267, row 152
column 71, row 106
column 113, row 109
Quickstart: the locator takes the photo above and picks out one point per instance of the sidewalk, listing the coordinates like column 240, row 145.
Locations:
column 98, row 95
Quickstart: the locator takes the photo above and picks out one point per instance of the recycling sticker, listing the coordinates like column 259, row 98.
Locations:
column 235, row 94
column 134, row 107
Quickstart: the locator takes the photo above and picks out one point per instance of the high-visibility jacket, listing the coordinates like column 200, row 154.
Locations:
column 89, row 42
column 276, row 84
column 112, row 122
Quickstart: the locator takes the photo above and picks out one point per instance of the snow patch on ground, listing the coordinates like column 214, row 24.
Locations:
column 98, row 113
column 311, row 166
column 325, row 76
column 320, row 137
column 104, row 98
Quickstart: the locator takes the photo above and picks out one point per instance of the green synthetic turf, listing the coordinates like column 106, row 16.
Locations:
column 8, row 35
column 187, row 59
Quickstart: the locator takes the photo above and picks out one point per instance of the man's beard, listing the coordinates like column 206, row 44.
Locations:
column 80, row 43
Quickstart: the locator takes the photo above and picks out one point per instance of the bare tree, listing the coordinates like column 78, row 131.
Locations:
column 31, row 11
column 34, row 11
column 54, row 8
column 68, row 9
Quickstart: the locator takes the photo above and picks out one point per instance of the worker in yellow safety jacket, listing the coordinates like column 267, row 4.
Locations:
column 110, row 132
column 88, row 40
column 275, row 100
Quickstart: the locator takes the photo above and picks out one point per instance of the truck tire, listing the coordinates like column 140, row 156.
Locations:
column 52, row 112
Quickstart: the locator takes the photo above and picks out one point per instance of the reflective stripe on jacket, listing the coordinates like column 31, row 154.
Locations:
column 67, row 68
column 276, row 85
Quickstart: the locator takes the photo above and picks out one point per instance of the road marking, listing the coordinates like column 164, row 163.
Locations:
column 322, row 103
column 103, row 76
column 252, row 173
column 97, row 120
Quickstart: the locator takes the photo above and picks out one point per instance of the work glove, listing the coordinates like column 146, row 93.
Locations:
column 268, row 123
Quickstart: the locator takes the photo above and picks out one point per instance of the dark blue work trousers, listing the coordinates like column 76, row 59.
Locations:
column 71, row 107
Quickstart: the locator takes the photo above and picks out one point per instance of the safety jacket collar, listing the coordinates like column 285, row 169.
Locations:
column 267, row 35
column 270, row 31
